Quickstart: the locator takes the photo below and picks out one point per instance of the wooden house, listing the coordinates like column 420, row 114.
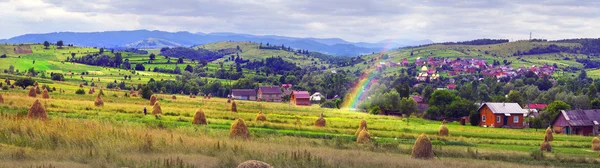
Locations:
column 300, row 98
column 577, row 122
column 506, row 115
column 269, row 93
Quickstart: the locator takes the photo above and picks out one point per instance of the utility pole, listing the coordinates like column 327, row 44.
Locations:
column 529, row 36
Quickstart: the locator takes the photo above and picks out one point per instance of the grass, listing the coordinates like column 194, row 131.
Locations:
column 78, row 133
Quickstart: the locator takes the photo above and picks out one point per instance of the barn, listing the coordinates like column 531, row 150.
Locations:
column 505, row 115
column 269, row 93
column 244, row 94
column 300, row 98
column 577, row 122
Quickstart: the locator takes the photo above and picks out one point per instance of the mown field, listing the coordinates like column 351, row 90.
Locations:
column 79, row 134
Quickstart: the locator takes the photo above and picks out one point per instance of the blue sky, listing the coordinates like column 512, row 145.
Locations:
column 352, row 20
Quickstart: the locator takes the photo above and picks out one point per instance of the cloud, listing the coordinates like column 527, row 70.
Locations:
column 353, row 20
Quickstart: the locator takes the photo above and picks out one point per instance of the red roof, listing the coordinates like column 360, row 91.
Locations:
column 536, row 106
column 270, row 89
column 418, row 99
column 301, row 94
column 451, row 86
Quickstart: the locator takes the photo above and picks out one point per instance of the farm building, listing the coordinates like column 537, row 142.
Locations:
column 506, row 115
column 316, row 97
column 244, row 94
column 269, row 93
column 300, row 98
column 577, row 122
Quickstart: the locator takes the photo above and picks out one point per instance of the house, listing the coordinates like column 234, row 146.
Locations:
column 243, row 94
column 536, row 106
column 451, row 86
column 501, row 115
column 577, row 122
column 269, row 93
column 286, row 86
column 300, row 98
column 421, row 105
column 316, row 97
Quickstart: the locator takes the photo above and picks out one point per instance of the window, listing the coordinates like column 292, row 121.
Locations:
column 516, row 119
column 498, row 119
column 483, row 118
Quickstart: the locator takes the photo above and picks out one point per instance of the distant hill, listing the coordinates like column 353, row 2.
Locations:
column 152, row 43
column 140, row 38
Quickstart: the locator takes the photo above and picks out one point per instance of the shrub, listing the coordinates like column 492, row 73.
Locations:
column 254, row 164
column 239, row 130
column 80, row 91
column 375, row 110
column 58, row 77
column 199, row 118
column 24, row 82
column 321, row 121
column 328, row 104
column 146, row 92
column 422, row 148
column 37, row 111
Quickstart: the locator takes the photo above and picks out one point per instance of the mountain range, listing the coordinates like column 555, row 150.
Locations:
column 159, row 39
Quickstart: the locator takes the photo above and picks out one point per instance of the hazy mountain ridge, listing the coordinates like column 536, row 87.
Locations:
column 140, row 39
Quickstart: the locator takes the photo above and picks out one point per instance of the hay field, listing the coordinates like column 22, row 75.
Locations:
column 118, row 134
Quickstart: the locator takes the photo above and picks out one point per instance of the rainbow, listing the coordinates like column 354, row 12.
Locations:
column 358, row 90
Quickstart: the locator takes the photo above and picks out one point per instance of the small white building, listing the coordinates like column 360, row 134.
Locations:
column 316, row 97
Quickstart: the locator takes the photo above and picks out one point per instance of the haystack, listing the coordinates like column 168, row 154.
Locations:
column 321, row 121
column 81, row 85
column 152, row 100
column 363, row 136
column 32, row 92
column 91, row 91
column 228, row 100
column 1, row 99
column 545, row 146
column 549, row 134
column 595, row 142
column 37, row 111
column 443, row 130
column 35, row 83
column 363, row 125
column 182, row 93
column 422, row 148
column 233, row 106
column 261, row 116
column 37, row 90
column 239, row 130
column 45, row 94
column 199, row 118
column 254, row 164
column 99, row 101
column 156, row 110
column 174, row 97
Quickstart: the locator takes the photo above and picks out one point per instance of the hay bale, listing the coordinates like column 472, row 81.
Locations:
column 156, row 109
column 228, row 100
column 32, row 92
column 233, row 106
column 35, row 83
column 254, row 164
column 261, row 116
column 363, row 136
column 239, row 129
column 321, row 121
column 91, row 91
column 443, row 130
column 81, row 85
column 363, row 125
column 37, row 90
column 174, row 97
column 191, row 95
column 37, row 111
column 45, row 94
column 1, row 99
column 152, row 100
column 595, row 142
column 545, row 146
column 199, row 118
column 549, row 134
column 422, row 148
column 99, row 101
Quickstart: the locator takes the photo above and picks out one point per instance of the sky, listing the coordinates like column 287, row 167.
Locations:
column 352, row 20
